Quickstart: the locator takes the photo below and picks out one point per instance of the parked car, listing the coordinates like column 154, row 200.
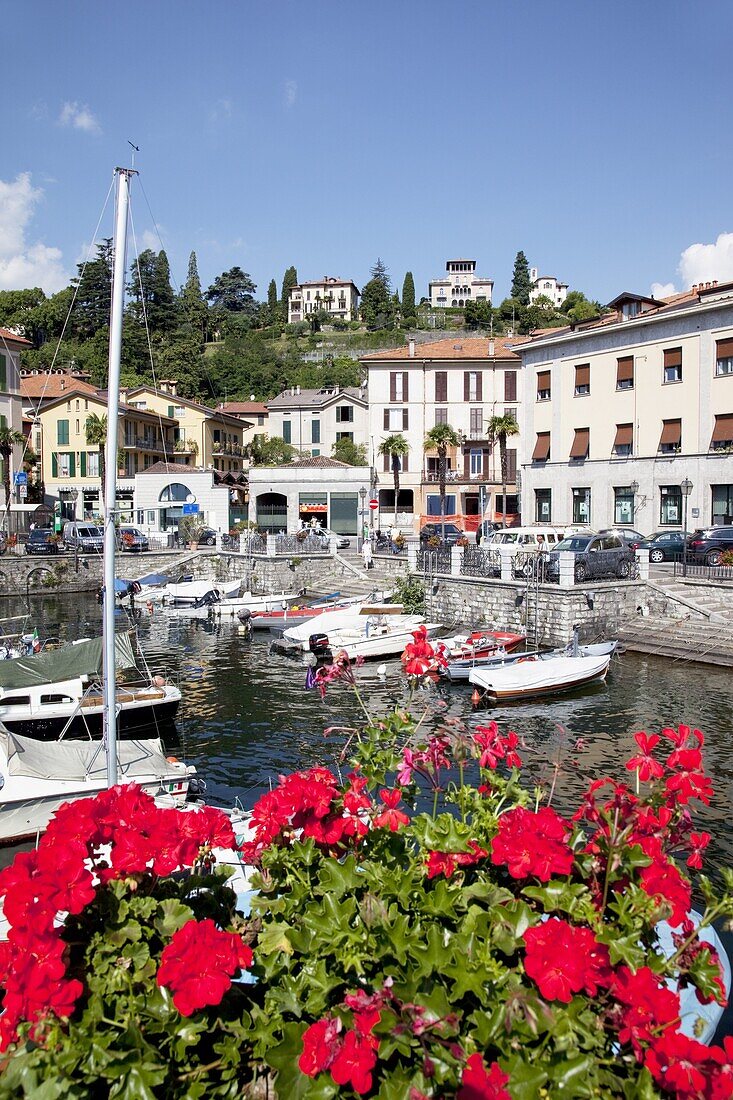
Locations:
column 664, row 545
column 83, row 536
column 710, row 544
column 595, row 556
column 42, row 540
column 435, row 530
column 130, row 538
column 627, row 534
column 325, row 534
column 206, row 537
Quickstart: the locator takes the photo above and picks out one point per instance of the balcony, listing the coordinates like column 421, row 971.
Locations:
column 186, row 447
column 144, row 443
column 228, row 449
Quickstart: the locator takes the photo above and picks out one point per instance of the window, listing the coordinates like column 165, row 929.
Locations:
column 624, row 442
column 623, row 505
column 433, row 503
column 180, row 411
column 582, row 380
column 722, row 512
column 217, row 435
column 62, row 432
column 64, row 465
column 315, row 431
column 77, row 407
column 92, row 463
column 541, row 451
column 476, row 463
column 345, row 435
column 581, row 443
column 723, row 357
column 287, row 431
column 441, row 385
column 722, row 438
column 398, row 386
column 260, row 420
column 76, row 425
column 543, row 385
column 511, row 464
column 625, row 373
column 670, row 440
column 543, row 505
column 392, row 462
column 511, row 413
column 396, row 420
column 581, row 505
column 441, row 416
column 344, row 414
column 3, row 373
column 477, row 422
column 315, row 452
column 670, row 505
column 472, row 385
column 673, row 365
column 175, row 492
column 510, row 385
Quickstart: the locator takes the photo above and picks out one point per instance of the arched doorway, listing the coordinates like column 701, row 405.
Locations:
column 172, row 499
column 272, row 512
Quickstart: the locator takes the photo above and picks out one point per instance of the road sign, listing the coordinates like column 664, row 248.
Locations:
column 374, row 504
column 23, row 491
column 20, row 478
column 190, row 509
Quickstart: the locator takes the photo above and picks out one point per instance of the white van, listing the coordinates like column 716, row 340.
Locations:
column 82, row 535
column 526, row 538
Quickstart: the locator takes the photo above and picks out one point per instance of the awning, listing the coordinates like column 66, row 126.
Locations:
column 541, row 451
column 723, row 430
column 581, row 443
column 625, row 369
column 624, row 435
column 671, row 432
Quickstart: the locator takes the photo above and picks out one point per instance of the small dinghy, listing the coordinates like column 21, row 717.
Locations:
column 539, row 674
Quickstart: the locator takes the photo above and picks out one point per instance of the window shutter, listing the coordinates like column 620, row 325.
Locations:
column 171, row 410
column 671, row 432
column 511, row 464
column 485, row 463
column 723, row 430
column 582, row 375
column 405, row 386
column 466, row 385
column 624, row 435
column 441, row 385
column 393, row 386
column 83, row 463
column 72, row 464
column 625, row 369
column 386, row 420
column 54, row 464
column 403, row 463
column 480, row 385
column 541, row 451
column 581, row 443
column 466, row 464
column 543, row 380
column 386, row 462
column 405, row 419
column 673, row 357
column 3, row 373
column 510, row 385
column 724, row 349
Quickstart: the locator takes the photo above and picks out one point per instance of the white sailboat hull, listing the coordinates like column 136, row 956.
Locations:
column 535, row 676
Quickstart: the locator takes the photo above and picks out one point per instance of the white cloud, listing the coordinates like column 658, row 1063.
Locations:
column 701, row 263
column 79, row 117
column 24, row 264
column 290, row 92
column 663, row 290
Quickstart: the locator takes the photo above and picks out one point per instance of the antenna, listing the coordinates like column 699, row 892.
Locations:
column 136, row 149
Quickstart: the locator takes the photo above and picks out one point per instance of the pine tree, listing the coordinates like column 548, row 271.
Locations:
column 380, row 273
column 290, row 279
column 521, row 281
column 192, row 299
column 94, row 296
column 163, row 307
column 408, row 296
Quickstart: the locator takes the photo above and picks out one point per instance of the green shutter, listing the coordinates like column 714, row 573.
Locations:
column 54, row 464
column 3, row 373
column 83, row 463
column 72, row 464
column 3, row 421
column 62, row 432
column 171, row 411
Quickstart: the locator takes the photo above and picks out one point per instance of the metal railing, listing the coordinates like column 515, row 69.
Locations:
column 476, row 562
column 434, row 561
column 701, row 572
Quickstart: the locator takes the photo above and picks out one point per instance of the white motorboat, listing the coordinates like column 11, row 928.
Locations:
column 372, row 632
column 460, row 669
column 193, row 592
column 230, row 607
column 538, row 674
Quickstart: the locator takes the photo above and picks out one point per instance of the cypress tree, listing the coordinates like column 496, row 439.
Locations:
column 408, row 296
column 290, row 279
column 163, row 306
column 194, row 306
column 521, row 282
column 273, row 303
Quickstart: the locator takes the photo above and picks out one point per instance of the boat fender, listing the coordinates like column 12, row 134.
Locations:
column 172, row 759
column 149, row 607
column 476, row 696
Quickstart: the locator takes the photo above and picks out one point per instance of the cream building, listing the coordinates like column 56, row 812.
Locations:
column 463, row 383
column 460, row 285
column 547, row 286
column 621, row 413
column 11, row 406
column 338, row 297
column 313, row 420
column 316, row 490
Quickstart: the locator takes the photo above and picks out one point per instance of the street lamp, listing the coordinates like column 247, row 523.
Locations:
column 686, row 489
column 362, row 498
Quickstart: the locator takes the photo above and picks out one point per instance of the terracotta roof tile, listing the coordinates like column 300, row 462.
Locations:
column 173, row 468
column 6, row 334
column 243, row 408
column 465, row 347
column 319, row 461
column 47, row 387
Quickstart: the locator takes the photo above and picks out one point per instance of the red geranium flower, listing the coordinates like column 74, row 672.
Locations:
column 649, row 1005
column 355, row 1061
column 675, row 1062
column 391, row 818
column 321, row 1044
column 199, row 963
column 532, row 844
column 647, row 767
column 563, row 959
column 480, row 1083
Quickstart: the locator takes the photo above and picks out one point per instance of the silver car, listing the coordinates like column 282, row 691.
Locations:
column 595, row 556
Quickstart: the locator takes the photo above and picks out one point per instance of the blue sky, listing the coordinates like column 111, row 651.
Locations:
column 595, row 137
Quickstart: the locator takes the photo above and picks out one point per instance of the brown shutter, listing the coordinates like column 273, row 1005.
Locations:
column 405, row 419
column 624, row 435
column 671, row 432
column 510, row 385
column 485, row 463
column 386, row 420
column 582, row 375
column 541, row 451
column 724, row 349
column 511, row 464
column 405, row 386
column 466, row 385
column 403, row 463
column 466, row 464
column 581, row 443
column 387, row 459
column 441, row 385
column 625, row 369
column 479, row 385
column 673, row 357
column 543, row 380
column 393, row 386
column 723, row 430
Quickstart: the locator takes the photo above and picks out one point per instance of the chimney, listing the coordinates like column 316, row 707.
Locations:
column 63, row 385
column 411, row 349
column 715, row 282
column 491, row 346
column 693, row 288
column 297, row 390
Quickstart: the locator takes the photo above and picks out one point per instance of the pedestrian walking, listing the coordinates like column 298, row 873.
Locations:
column 366, row 553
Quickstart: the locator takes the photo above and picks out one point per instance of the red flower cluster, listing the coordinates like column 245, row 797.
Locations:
column 427, row 762
column 118, row 833
column 349, row 1057
column 199, row 963
column 309, row 804
column 391, row 818
column 480, row 1083
column 563, row 959
column 445, row 863
column 532, row 844
column 420, row 657
column 339, row 669
column 683, row 767
column 493, row 747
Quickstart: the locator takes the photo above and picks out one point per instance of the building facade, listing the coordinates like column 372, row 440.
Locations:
column 253, row 413
column 11, row 405
column 464, row 384
column 547, row 286
column 313, row 420
column 338, row 297
column 167, row 491
column 312, row 491
column 460, row 285
column 623, row 414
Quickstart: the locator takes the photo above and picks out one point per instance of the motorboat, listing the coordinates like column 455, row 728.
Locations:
column 231, row 607
column 466, row 651
column 57, row 694
column 459, row 669
column 281, row 618
column 375, row 630
column 537, row 674
column 196, row 592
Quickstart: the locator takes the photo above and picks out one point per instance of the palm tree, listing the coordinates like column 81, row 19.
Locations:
column 8, row 439
column 96, row 433
column 498, row 429
column 396, row 446
column 439, row 439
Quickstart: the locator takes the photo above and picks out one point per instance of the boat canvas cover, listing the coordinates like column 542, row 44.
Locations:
column 78, row 760
column 69, row 662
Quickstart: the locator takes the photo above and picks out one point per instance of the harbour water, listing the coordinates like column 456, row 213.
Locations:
column 246, row 717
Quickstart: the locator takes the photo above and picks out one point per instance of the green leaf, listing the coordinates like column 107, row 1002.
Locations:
column 526, row 1079
column 572, row 1078
column 138, row 1083
column 171, row 916
column 275, row 938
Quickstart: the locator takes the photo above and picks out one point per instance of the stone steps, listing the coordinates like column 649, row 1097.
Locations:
column 715, row 605
column 683, row 639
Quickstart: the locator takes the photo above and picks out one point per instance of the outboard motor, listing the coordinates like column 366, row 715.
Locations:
column 318, row 644
column 245, row 620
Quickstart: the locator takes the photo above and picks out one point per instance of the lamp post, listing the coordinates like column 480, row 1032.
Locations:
column 634, row 488
column 362, row 513
column 686, row 488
